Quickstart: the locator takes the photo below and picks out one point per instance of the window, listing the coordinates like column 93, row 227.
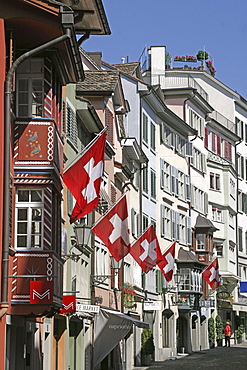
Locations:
column 30, row 88
column 198, row 160
column 182, row 228
column 214, row 181
column 201, row 242
column 165, row 222
column 29, row 218
column 219, row 250
column 217, row 214
column 231, row 220
column 145, row 128
column 232, row 188
column 152, row 136
column 153, row 184
column 198, row 199
column 144, row 222
column 165, row 175
column 188, row 230
column 197, row 123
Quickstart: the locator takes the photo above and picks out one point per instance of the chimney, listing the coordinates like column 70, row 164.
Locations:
column 122, row 60
column 158, row 62
column 96, row 56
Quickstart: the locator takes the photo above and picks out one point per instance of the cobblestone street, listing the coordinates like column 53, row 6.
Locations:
column 234, row 358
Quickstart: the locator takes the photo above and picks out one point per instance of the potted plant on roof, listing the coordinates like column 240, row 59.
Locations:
column 147, row 346
column 168, row 60
column 202, row 55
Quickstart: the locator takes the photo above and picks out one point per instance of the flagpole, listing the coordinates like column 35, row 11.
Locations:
column 96, row 223
column 87, row 147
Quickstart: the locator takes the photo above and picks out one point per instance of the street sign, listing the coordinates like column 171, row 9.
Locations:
column 152, row 305
column 87, row 308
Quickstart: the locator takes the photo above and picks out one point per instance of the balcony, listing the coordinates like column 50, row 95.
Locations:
column 26, row 265
column 185, row 81
column 37, row 142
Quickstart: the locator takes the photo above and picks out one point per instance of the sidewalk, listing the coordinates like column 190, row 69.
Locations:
column 158, row 365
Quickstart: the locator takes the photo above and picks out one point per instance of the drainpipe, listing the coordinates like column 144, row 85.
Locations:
column 6, row 186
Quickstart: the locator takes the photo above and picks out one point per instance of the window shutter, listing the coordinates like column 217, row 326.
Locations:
column 206, row 138
column 162, row 173
column 206, row 203
column 176, row 181
column 173, row 224
column 188, row 149
column 162, row 226
column 109, row 123
column 187, row 184
column 192, row 201
column 218, row 144
column 143, row 280
column 133, row 221
column 177, row 226
column 204, row 166
column 188, row 230
column 202, row 127
column 191, row 118
column 173, row 179
column 159, row 281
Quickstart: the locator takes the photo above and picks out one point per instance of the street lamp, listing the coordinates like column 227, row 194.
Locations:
column 82, row 234
column 99, row 279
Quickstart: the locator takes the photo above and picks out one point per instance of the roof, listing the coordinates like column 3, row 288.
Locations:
column 203, row 223
column 100, row 81
column 129, row 68
column 187, row 257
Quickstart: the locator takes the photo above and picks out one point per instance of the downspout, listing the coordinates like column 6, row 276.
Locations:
column 6, row 186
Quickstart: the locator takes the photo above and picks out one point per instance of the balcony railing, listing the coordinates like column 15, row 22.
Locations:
column 185, row 81
column 222, row 120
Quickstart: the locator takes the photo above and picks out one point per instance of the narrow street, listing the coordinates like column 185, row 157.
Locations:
column 233, row 358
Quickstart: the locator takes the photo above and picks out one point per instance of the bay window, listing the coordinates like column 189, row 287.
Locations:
column 29, row 218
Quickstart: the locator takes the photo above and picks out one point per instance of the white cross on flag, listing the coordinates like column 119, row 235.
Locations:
column 167, row 265
column 83, row 178
column 113, row 229
column 211, row 274
column 146, row 250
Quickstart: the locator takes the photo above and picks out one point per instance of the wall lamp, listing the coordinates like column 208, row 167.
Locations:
column 101, row 279
column 82, row 234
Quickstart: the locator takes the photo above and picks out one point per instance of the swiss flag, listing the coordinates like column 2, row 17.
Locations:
column 69, row 304
column 167, row 265
column 211, row 274
column 83, row 178
column 146, row 250
column 113, row 229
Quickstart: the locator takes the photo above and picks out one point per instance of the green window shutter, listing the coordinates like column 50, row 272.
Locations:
column 159, row 281
column 143, row 280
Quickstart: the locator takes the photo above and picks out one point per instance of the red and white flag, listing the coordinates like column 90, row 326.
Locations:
column 211, row 274
column 167, row 265
column 146, row 250
column 113, row 229
column 83, row 178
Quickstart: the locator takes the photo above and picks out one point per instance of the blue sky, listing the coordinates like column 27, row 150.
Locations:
column 184, row 27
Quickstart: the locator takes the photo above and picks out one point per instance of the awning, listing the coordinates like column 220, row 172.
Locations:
column 110, row 328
